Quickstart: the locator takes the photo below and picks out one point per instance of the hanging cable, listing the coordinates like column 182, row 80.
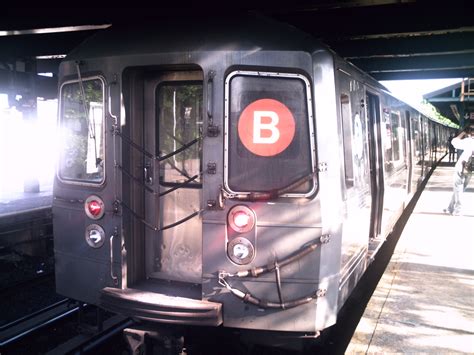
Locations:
column 255, row 272
column 179, row 150
column 180, row 185
column 150, row 155
column 155, row 228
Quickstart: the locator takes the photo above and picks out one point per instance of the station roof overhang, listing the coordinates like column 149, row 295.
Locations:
column 388, row 39
column 455, row 102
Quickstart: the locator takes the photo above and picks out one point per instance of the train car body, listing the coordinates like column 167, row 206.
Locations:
column 230, row 174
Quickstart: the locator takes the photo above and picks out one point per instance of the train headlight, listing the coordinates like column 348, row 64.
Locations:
column 95, row 236
column 94, row 207
column 240, row 251
column 241, row 219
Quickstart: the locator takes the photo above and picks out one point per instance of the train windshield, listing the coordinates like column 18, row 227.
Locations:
column 269, row 125
column 81, row 132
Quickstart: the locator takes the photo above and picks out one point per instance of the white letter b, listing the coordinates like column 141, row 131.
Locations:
column 258, row 127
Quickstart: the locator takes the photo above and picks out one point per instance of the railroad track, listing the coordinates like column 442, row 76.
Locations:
column 56, row 330
column 19, row 329
column 90, row 343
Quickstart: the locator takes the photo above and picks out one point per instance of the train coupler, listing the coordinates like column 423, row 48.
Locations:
column 142, row 340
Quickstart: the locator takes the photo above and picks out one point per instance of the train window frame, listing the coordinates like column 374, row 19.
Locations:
column 162, row 180
column 83, row 182
column 310, row 121
column 347, row 137
column 396, row 137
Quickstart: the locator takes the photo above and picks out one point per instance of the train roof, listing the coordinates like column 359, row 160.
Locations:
column 242, row 33
column 186, row 34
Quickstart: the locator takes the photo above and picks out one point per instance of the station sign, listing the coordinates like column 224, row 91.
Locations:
column 266, row 127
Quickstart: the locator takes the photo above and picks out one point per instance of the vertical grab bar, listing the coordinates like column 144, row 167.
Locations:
column 210, row 94
column 112, row 275
column 212, row 129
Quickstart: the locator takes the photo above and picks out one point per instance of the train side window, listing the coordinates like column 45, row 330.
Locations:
column 426, row 140
column 179, row 107
column 417, row 137
column 82, row 132
column 403, row 133
column 347, row 140
column 398, row 138
column 269, row 141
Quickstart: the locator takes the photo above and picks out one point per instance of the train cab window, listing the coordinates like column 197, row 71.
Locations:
column 82, row 131
column 268, row 124
column 179, row 107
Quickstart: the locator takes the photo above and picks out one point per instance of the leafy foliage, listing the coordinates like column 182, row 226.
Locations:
column 430, row 111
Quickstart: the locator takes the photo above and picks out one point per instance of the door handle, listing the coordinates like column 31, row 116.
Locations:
column 148, row 173
column 112, row 274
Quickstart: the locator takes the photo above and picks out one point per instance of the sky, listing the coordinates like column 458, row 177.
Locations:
column 412, row 91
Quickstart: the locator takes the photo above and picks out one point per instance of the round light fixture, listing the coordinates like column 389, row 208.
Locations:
column 240, row 251
column 95, row 235
column 94, row 207
column 241, row 219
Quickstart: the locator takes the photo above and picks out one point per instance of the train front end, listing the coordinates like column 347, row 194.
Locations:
column 189, row 190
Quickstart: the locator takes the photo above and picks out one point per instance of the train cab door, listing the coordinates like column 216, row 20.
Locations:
column 173, row 127
column 372, row 108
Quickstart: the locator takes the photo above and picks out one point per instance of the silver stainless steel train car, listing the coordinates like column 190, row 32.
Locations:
column 229, row 173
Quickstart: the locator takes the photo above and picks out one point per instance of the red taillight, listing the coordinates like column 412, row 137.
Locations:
column 241, row 219
column 94, row 207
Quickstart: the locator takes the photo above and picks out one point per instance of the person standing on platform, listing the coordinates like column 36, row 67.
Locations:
column 462, row 170
column 451, row 149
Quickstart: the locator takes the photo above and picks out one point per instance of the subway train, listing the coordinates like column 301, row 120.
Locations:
column 232, row 173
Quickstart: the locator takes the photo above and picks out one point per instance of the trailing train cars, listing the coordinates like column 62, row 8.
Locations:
column 232, row 173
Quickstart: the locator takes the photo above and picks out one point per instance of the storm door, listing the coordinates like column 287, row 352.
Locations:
column 173, row 116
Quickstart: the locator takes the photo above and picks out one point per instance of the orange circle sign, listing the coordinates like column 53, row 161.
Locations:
column 266, row 127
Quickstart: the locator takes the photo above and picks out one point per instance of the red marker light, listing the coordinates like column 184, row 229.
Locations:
column 94, row 207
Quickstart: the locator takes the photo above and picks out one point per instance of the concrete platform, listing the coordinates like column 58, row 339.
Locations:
column 21, row 202
column 424, row 303
column 25, row 216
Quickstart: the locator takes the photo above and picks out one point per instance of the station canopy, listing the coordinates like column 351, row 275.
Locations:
column 455, row 102
column 388, row 39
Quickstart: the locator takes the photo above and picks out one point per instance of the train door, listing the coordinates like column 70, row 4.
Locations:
column 416, row 138
column 357, row 189
column 376, row 164
column 173, row 125
column 409, row 147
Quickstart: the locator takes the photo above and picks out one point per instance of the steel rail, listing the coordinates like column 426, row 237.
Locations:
column 34, row 314
column 24, row 333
